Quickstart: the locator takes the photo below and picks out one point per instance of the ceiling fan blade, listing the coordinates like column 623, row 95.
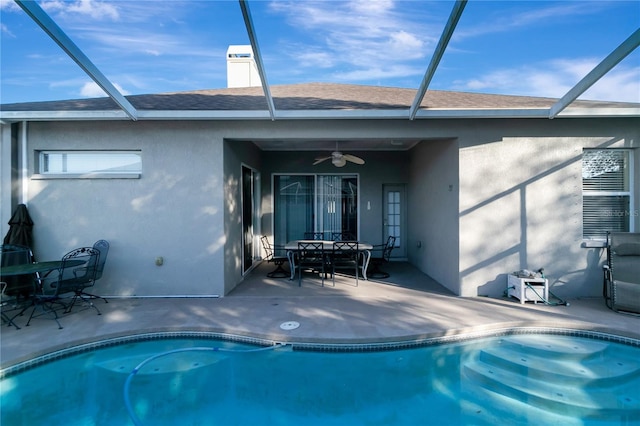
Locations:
column 321, row 159
column 353, row 159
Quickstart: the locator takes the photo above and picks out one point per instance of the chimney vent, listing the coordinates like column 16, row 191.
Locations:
column 241, row 67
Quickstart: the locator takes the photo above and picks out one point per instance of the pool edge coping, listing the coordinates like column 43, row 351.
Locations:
column 452, row 336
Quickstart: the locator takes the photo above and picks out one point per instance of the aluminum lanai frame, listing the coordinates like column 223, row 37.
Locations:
column 56, row 33
column 454, row 17
column 628, row 46
column 59, row 36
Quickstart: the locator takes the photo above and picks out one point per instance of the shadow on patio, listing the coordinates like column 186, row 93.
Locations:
column 402, row 275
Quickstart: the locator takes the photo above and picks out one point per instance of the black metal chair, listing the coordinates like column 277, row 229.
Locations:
column 380, row 254
column 77, row 272
column 17, row 290
column 103, row 248
column 318, row 236
column 621, row 287
column 343, row 236
column 311, row 256
column 345, row 255
column 276, row 255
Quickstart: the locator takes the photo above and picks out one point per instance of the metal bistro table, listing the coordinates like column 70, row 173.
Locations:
column 292, row 246
column 38, row 267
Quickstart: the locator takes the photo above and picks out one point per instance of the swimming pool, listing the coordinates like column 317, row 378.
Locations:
column 515, row 378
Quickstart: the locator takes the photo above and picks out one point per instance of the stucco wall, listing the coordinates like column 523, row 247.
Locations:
column 521, row 202
column 170, row 211
column 433, row 211
column 236, row 154
column 515, row 198
column 6, row 151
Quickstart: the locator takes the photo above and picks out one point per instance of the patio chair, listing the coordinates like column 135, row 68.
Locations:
column 314, row 236
column 345, row 255
column 103, row 250
column 17, row 290
column 274, row 254
column 380, row 254
column 621, row 287
column 77, row 272
column 343, row 236
column 311, row 256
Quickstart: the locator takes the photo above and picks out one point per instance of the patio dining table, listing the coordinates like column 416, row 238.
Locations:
column 292, row 246
column 38, row 267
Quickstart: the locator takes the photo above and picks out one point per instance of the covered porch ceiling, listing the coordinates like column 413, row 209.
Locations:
column 561, row 107
column 347, row 145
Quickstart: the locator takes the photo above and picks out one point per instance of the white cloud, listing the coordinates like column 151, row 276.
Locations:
column 554, row 78
column 373, row 38
column 507, row 19
column 92, row 90
column 6, row 31
column 97, row 10
column 9, row 6
column 366, row 74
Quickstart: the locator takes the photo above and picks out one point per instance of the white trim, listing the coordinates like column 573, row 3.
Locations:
column 394, row 114
column 39, row 176
column 24, row 165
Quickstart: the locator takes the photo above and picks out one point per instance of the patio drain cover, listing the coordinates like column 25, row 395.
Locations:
column 290, row 325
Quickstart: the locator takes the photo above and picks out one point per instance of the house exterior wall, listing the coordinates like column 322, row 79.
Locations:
column 173, row 211
column 236, row 154
column 433, row 244
column 521, row 202
column 486, row 197
column 7, row 177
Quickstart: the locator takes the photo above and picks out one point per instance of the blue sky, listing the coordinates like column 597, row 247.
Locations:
column 535, row 48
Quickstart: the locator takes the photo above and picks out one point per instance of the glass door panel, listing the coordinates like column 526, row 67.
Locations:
column 293, row 207
column 314, row 203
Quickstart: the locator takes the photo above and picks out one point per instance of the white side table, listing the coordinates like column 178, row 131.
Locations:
column 528, row 289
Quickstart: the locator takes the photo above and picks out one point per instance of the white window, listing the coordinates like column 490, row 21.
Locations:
column 607, row 192
column 90, row 163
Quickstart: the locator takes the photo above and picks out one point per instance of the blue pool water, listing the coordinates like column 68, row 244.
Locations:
column 533, row 379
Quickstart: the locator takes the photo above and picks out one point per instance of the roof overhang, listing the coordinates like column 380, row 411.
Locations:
column 322, row 114
column 128, row 112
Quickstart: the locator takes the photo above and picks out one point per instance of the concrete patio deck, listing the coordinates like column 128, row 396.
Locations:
column 408, row 305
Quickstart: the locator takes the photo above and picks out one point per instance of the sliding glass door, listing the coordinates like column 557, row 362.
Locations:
column 250, row 216
column 314, row 203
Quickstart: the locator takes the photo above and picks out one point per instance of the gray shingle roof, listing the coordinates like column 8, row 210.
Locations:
column 308, row 96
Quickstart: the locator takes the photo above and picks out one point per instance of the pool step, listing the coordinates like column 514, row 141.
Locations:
column 574, row 372
column 556, row 375
column 556, row 347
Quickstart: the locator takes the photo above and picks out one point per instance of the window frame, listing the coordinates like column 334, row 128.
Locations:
column 316, row 222
column 41, row 173
column 629, row 193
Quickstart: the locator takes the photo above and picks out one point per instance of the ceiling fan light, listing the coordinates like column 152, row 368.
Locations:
column 339, row 162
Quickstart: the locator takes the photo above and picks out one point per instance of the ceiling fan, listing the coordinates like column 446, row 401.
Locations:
column 339, row 159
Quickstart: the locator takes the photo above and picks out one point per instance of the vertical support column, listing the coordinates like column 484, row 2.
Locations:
column 24, row 165
column 6, row 177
